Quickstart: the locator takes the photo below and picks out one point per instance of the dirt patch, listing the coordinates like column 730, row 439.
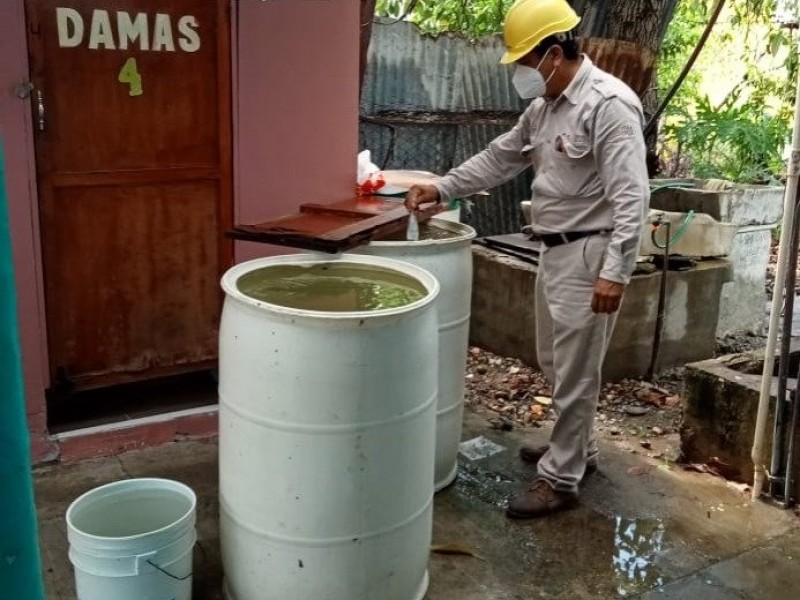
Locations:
column 642, row 415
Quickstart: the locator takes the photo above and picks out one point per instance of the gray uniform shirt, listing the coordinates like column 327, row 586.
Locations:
column 588, row 154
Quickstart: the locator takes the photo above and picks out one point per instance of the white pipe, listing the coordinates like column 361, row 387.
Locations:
column 777, row 300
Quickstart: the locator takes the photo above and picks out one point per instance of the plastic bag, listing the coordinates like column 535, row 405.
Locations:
column 368, row 176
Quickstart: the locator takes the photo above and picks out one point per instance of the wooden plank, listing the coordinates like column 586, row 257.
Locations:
column 322, row 209
column 290, row 239
column 373, row 205
column 310, row 225
column 364, row 225
column 333, row 227
column 365, row 231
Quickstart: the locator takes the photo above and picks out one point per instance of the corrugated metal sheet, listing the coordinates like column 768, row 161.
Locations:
column 411, row 72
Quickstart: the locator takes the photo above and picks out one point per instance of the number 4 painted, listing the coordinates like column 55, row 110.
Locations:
column 129, row 73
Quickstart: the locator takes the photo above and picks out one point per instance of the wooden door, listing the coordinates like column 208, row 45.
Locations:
column 132, row 115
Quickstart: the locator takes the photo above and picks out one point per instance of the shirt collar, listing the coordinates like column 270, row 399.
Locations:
column 573, row 90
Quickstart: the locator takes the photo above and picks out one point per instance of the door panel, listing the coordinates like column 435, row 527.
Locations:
column 144, row 294
column 133, row 155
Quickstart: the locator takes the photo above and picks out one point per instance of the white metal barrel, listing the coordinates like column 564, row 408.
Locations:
column 327, row 433
column 449, row 258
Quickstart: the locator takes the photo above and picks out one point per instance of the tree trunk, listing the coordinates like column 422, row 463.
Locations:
column 367, row 15
column 641, row 22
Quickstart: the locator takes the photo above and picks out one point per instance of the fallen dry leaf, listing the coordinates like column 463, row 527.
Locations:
column 538, row 411
column 455, row 549
column 721, row 468
column 672, row 400
column 650, row 396
column 740, row 487
column 639, row 470
column 695, row 467
column 701, row 468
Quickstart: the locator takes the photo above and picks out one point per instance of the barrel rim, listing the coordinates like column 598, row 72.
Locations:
column 468, row 234
column 159, row 484
column 232, row 275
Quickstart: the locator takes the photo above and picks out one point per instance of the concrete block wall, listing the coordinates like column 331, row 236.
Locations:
column 503, row 314
column 743, row 300
column 756, row 210
column 720, row 404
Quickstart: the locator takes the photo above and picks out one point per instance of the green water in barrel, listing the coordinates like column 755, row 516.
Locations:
column 332, row 287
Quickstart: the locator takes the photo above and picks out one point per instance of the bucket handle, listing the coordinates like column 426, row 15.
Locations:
column 147, row 559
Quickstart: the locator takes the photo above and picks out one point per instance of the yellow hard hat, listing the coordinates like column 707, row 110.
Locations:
column 528, row 22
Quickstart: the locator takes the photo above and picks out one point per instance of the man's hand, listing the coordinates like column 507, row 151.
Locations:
column 421, row 194
column 607, row 296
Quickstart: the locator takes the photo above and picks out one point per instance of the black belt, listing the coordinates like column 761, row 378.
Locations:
column 556, row 239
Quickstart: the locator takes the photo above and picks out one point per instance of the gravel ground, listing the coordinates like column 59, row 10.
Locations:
column 644, row 415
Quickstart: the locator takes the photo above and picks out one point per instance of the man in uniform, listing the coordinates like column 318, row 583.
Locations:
column 582, row 134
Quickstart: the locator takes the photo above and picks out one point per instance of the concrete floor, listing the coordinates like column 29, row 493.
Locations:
column 643, row 529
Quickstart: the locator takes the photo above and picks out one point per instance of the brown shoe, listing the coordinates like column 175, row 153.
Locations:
column 532, row 454
column 540, row 500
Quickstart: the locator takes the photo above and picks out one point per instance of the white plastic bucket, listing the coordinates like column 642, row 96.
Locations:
column 450, row 261
column 327, row 433
column 133, row 540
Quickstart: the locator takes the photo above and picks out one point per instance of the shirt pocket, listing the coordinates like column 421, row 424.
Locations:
column 531, row 150
column 574, row 166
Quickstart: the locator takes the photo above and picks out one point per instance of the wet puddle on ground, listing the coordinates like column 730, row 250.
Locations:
column 637, row 545
column 484, row 485
column 619, row 555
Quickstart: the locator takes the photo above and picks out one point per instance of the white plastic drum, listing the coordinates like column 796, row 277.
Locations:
column 448, row 257
column 327, row 433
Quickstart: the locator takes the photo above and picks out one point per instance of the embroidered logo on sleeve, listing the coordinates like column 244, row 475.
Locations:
column 622, row 132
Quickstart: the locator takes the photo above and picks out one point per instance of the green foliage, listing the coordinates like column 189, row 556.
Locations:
column 742, row 135
column 737, row 142
column 682, row 35
column 473, row 18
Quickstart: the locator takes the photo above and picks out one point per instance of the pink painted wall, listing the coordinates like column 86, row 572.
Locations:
column 296, row 103
column 17, row 136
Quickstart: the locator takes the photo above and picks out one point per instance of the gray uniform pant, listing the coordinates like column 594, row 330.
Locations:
column 571, row 343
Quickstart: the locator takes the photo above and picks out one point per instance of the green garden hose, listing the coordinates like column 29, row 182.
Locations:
column 678, row 234
column 687, row 220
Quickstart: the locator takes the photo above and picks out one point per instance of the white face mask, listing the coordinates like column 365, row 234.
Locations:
column 529, row 82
